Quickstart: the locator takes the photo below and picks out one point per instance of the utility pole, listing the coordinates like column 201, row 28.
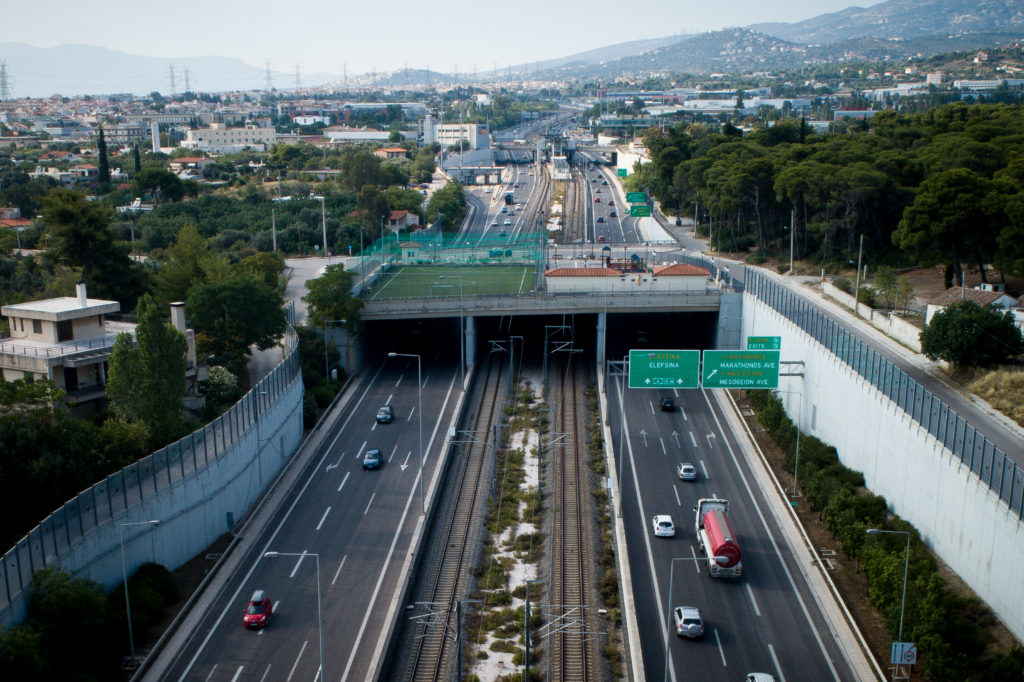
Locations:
column 269, row 85
column 5, row 82
column 170, row 68
column 792, row 223
column 188, row 86
column 856, row 287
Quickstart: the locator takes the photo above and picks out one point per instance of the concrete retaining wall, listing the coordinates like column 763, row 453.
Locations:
column 960, row 517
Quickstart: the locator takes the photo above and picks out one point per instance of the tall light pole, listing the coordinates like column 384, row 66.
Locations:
column 799, row 417
column 124, row 575
column 323, row 220
column 319, row 616
column 327, row 373
column 906, row 565
column 462, row 330
column 419, row 395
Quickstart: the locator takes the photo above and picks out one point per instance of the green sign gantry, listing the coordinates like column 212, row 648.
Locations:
column 636, row 197
column 664, row 369
column 740, row 369
column 764, row 342
column 639, row 211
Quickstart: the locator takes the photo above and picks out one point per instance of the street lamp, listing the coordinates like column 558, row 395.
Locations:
column 124, row 575
column 799, row 415
column 462, row 331
column 327, row 373
column 419, row 395
column 319, row 616
column 323, row 221
column 906, row 564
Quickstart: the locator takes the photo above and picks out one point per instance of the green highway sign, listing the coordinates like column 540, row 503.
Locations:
column 622, row 172
column 636, row 197
column 640, row 211
column 740, row 369
column 764, row 342
column 664, row 369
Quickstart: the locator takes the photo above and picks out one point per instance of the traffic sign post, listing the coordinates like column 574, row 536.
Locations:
column 636, row 197
column 639, row 211
column 622, row 172
column 903, row 653
column 664, row 369
column 764, row 342
column 740, row 369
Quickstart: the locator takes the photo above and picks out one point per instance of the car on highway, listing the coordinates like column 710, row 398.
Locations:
column 502, row 233
column 598, row 190
column 613, row 214
column 519, row 207
column 758, row 677
column 667, row 404
column 494, row 223
column 601, row 239
column 611, row 202
column 504, row 209
column 686, row 471
column 600, row 218
column 663, row 526
column 386, row 414
column 604, row 182
column 373, row 459
column 597, row 200
column 507, row 221
column 688, row 621
column 258, row 612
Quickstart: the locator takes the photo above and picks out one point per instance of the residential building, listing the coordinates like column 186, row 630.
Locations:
column 982, row 297
column 401, row 220
column 68, row 340
column 220, row 139
column 390, row 153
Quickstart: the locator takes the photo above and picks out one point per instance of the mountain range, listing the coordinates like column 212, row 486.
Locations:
column 891, row 30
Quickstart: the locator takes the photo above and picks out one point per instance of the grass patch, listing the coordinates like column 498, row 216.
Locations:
column 1002, row 388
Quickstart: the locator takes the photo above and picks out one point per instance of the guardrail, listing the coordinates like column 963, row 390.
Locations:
column 56, row 350
column 986, row 461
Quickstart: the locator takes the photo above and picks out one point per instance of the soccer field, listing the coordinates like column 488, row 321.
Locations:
column 443, row 281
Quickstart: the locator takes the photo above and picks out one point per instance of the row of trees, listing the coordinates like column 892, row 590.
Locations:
column 940, row 187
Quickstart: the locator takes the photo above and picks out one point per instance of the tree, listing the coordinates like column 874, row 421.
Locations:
column 190, row 261
column 136, row 158
column 449, row 200
column 330, row 298
column 146, row 381
column 163, row 183
column 83, row 238
column 965, row 333
column 886, row 285
column 101, row 148
column 231, row 315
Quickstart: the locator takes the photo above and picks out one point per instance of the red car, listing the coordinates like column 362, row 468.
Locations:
column 597, row 200
column 259, row 610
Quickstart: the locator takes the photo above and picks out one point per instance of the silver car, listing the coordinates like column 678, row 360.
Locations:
column 688, row 621
column 686, row 471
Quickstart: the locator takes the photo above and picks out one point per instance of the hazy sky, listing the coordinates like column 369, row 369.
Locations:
column 322, row 36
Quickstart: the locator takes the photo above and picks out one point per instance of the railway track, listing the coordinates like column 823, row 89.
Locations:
column 571, row 657
column 435, row 656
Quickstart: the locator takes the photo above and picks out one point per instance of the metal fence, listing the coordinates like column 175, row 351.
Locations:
column 102, row 503
column 1004, row 476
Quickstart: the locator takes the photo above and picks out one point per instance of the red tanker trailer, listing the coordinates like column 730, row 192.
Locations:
column 716, row 538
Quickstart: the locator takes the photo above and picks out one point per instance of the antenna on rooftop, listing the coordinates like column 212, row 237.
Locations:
column 170, row 68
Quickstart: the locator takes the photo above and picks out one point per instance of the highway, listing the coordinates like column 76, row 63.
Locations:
column 360, row 523
column 766, row 621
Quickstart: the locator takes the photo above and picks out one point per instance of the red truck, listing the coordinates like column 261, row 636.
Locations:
column 716, row 539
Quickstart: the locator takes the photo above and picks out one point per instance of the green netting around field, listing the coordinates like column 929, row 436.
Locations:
column 452, row 281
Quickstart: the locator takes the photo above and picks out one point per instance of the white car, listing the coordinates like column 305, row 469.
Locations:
column 507, row 221
column 686, row 471
column 663, row 526
column 494, row 223
column 688, row 621
column 758, row 677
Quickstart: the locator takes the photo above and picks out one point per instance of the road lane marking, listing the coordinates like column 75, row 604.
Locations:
column 676, row 491
column 338, row 572
column 359, row 454
column 750, row 593
column 390, row 396
column 238, row 672
column 721, row 651
column 343, row 481
column 399, row 382
column 692, row 439
column 696, row 561
column 374, row 427
column 265, row 673
column 775, row 660
column 292, row 672
column 704, row 469
column 771, row 539
column 323, row 518
column 684, row 414
column 651, row 403
column 393, row 450
column 411, row 413
column 297, row 564
column 662, row 441
column 336, row 464
column 212, row 670
column 365, row 511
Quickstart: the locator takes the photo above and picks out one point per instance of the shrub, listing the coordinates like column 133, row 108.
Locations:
column 843, row 284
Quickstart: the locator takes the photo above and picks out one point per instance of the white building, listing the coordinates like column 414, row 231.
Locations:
column 220, row 139
column 472, row 135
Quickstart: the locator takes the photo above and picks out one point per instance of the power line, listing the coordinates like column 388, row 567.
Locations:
column 171, row 69
column 298, row 77
column 269, row 84
column 5, row 83
column 188, row 87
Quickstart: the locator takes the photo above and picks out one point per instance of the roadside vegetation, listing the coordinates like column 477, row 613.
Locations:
column 953, row 631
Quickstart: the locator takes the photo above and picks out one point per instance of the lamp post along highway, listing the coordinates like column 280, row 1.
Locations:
column 906, row 565
column 319, row 615
column 124, row 575
column 419, row 408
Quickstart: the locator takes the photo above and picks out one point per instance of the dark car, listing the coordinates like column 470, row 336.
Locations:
column 613, row 214
column 668, row 404
column 373, row 459
column 259, row 610
column 600, row 219
column 385, row 415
